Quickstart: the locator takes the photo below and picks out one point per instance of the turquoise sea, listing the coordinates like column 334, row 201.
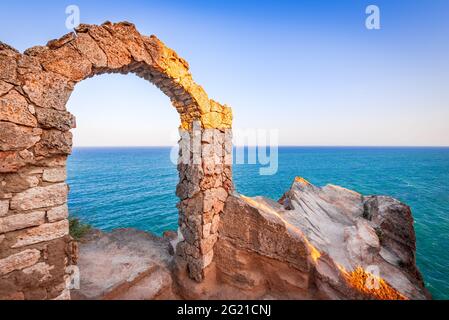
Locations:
column 135, row 187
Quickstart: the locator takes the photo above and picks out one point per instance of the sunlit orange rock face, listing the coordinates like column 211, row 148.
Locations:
column 362, row 281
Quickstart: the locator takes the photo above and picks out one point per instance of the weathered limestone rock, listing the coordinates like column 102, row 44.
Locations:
column 42, row 233
column 19, row 261
column 214, row 199
column 11, row 161
column 208, row 243
column 329, row 237
column 215, row 224
column 47, row 89
column 18, row 182
column 15, row 296
column 4, row 207
column 14, row 108
column 55, row 174
column 52, row 161
column 131, row 39
column 212, row 120
column 285, row 250
column 117, row 54
column 58, row 213
column 123, row 264
column 58, row 43
column 28, row 64
column 40, row 197
column 5, row 87
column 15, row 137
column 66, row 61
column 54, row 142
column 90, row 49
column 207, row 230
column 54, row 119
column 21, row 221
column 41, row 269
column 8, row 65
column 34, row 133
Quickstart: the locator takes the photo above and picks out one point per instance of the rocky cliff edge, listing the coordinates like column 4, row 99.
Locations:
column 314, row 243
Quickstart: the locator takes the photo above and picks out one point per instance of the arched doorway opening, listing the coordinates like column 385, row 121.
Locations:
column 120, row 172
column 122, row 201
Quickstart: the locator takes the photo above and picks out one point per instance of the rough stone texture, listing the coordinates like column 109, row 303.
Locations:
column 12, row 161
column 35, row 139
column 42, row 233
column 330, row 238
column 4, row 207
column 19, row 261
column 40, row 197
column 58, row 213
column 15, row 137
column 90, row 49
column 124, row 264
column 14, row 108
column 5, row 87
column 41, row 278
column 47, row 89
column 41, row 269
column 18, row 182
column 55, row 174
column 8, row 65
column 54, row 142
column 21, row 221
column 55, row 119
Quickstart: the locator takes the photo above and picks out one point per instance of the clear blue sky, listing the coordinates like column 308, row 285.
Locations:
column 308, row 68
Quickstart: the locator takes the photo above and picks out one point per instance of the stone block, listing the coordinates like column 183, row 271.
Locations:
column 14, row 108
column 58, row 213
column 15, row 182
column 90, row 49
column 40, row 197
column 66, row 61
column 117, row 54
column 211, row 120
column 15, row 137
column 55, row 174
column 54, row 142
column 208, row 243
column 48, row 89
column 19, row 261
column 5, row 87
column 51, row 118
column 42, row 233
column 41, row 270
column 21, row 221
column 206, row 230
column 4, row 207
column 215, row 224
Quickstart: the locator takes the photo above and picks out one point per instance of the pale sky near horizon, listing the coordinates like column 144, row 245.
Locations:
column 309, row 69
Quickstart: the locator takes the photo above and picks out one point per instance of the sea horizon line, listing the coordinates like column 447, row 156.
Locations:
column 280, row 146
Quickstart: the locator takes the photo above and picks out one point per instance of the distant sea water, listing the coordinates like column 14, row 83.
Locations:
column 135, row 187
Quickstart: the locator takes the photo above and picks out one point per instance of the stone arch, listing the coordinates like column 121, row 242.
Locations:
column 35, row 140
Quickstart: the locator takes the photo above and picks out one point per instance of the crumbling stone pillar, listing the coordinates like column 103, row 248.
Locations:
column 205, row 183
column 35, row 140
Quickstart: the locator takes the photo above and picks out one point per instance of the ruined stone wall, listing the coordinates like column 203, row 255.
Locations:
column 35, row 140
column 204, row 186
